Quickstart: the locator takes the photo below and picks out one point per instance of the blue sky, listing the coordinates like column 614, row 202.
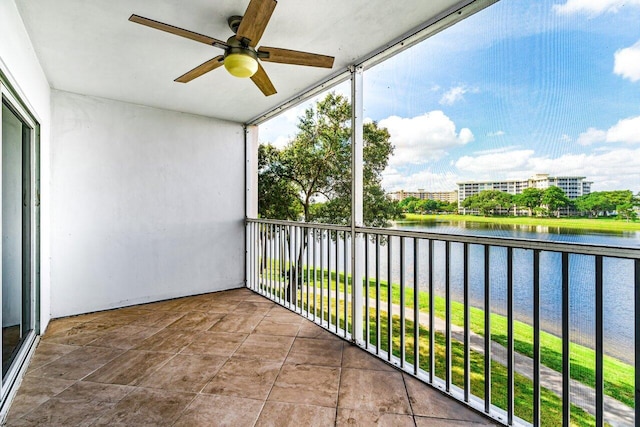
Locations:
column 520, row 88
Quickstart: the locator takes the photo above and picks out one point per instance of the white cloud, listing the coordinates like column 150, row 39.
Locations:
column 593, row 7
column 456, row 94
column 626, row 131
column 499, row 161
column 496, row 133
column 565, row 138
column 393, row 180
column 613, row 169
column 423, row 138
column 591, row 136
column 627, row 62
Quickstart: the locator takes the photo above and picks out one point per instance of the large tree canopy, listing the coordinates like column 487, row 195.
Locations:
column 530, row 198
column 555, row 199
column 310, row 178
column 488, row 201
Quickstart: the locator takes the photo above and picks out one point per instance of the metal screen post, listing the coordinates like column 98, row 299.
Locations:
column 357, row 243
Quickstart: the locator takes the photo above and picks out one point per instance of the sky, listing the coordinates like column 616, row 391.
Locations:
column 520, row 88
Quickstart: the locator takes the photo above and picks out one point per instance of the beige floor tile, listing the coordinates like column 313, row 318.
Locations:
column 356, row 358
column 129, row 368
column 429, row 402
column 210, row 410
column 310, row 351
column 157, row 319
column 196, row 321
column 440, row 422
column 241, row 323
column 57, row 413
column 353, row 417
column 253, row 297
column 307, row 384
column 80, row 333
column 47, row 352
column 85, row 391
column 282, row 315
column 266, row 347
column 309, row 329
column 218, row 306
column 79, row 405
column 121, row 316
column 169, row 340
column 379, row 391
column 124, row 337
column 250, row 378
column 253, row 307
column 33, row 392
column 215, row 343
column 278, row 414
column 147, row 407
column 270, row 327
column 77, row 364
column 184, row 373
column 56, row 326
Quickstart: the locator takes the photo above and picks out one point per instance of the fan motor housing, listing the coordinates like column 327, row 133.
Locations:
column 235, row 46
column 234, row 22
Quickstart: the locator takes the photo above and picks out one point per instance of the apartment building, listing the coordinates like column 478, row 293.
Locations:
column 443, row 196
column 573, row 186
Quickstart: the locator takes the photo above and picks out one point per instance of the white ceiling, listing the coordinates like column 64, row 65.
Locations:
column 90, row 47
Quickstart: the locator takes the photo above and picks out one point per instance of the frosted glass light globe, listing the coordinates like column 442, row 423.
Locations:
column 240, row 65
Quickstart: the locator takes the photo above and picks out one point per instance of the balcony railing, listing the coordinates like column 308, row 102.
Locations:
column 525, row 331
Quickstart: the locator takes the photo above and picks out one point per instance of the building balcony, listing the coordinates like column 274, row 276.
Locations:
column 227, row 358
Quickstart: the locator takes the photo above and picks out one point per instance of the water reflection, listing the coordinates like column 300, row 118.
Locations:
column 538, row 232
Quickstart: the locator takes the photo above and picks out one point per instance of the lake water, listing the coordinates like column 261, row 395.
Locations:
column 618, row 278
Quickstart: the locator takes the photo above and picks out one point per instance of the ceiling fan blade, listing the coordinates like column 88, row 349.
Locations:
column 201, row 69
column 178, row 31
column 255, row 20
column 263, row 82
column 295, row 57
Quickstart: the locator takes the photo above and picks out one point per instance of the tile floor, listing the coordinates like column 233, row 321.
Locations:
column 229, row 358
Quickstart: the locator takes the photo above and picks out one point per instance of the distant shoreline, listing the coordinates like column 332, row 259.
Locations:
column 575, row 223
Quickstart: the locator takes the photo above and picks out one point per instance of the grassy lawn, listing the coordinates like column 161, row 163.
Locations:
column 618, row 376
column 575, row 223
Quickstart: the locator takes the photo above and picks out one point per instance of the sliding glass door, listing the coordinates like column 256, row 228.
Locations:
column 18, row 244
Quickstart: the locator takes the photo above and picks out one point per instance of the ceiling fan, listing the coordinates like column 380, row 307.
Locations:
column 240, row 56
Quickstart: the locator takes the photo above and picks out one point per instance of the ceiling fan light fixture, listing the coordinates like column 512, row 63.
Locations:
column 240, row 65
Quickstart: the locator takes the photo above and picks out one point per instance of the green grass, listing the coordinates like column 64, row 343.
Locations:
column 609, row 224
column 619, row 376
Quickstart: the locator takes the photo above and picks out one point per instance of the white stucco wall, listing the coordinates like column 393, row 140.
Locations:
column 18, row 62
column 148, row 204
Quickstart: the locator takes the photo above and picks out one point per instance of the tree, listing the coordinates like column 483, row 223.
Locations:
column 314, row 170
column 408, row 203
column 277, row 197
column 555, row 199
column 626, row 211
column 603, row 202
column 530, row 198
column 488, row 201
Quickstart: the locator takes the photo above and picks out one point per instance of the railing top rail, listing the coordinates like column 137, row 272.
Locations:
column 576, row 248
column 331, row 227
column 520, row 243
